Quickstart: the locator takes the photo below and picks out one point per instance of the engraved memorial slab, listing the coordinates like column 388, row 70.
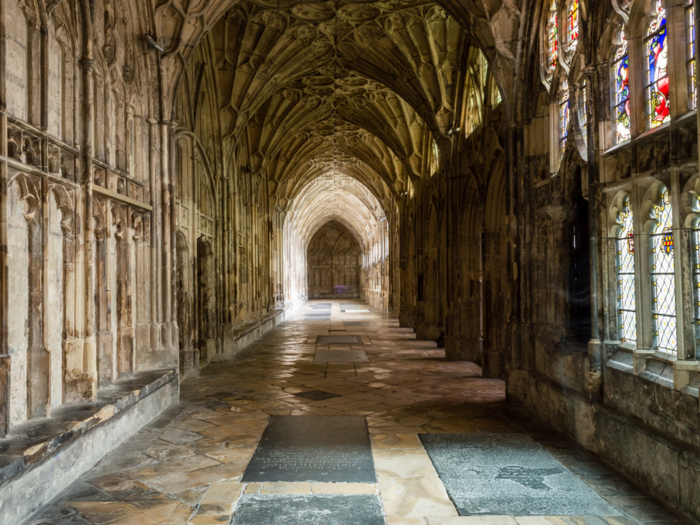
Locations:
column 332, row 449
column 316, row 509
column 339, row 340
column 509, row 474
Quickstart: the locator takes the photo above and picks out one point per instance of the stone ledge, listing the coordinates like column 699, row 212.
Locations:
column 248, row 333
column 30, row 443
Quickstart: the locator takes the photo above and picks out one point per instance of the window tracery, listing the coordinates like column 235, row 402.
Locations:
column 690, row 52
column 563, row 115
column 626, row 301
column 656, row 82
column 475, row 87
column 583, row 111
column 621, row 92
column 663, row 281
column 552, row 41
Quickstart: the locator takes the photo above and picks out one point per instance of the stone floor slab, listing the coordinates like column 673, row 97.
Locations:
column 339, row 340
column 317, row 395
column 506, row 474
column 341, row 356
column 333, row 509
column 313, row 448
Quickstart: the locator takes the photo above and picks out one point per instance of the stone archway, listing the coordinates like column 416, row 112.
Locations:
column 333, row 260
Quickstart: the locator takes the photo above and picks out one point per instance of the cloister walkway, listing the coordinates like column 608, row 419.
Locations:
column 401, row 436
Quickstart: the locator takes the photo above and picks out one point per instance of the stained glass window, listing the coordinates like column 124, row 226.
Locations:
column 663, row 280
column 563, row 115
column 621, row 87
column 572, row 26
column 626, row 303
column 690, row 52
column 655, row 43
column 552, row 39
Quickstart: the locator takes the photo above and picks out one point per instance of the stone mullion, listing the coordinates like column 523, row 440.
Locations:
column 166, row 248
column 89, row 251
column 154, row 325
column 5, row 359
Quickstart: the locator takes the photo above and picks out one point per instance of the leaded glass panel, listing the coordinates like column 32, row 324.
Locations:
column 626, row 300
column 563, row 115
column 552, row 39
column 621, row 100
column 657, row 95
column 690, row 52
column 572, row 26
column 663, row 280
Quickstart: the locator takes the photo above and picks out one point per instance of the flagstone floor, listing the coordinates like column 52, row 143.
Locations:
column 186, row 466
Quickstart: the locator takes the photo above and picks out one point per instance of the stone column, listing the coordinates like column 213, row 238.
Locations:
column 89, row 256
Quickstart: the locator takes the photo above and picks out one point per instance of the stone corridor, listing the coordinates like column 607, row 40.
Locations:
column 186, row 466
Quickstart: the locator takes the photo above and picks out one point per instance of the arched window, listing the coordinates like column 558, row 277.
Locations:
column 572, row 26
column 563, row 114
column 583, row 111
column 434, row 158
column 656, row 82
column 626, row 303
column 621, row 89
column 690, row 52
column 474, row 91
column 663, row 280
column 552, row 40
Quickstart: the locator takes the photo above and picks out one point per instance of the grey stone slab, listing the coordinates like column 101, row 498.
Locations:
column 326, row 318
column 318, row 314
column 339, row 340
column 317, row 509
column 509, row 474
column 341, row 356
column 365, row 324
column 333, row 449
column 353, row 311
column 317, row 395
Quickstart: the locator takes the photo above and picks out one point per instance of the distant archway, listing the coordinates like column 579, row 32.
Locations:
column 333, row 262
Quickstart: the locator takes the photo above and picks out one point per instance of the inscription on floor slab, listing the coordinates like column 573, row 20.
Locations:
column 339, row 340
column 332, row 509
column 505, row 474
column 313, row 448
column 341, row 356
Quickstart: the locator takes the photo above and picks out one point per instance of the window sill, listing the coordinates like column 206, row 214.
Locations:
column 658, row 367
column 651, row 132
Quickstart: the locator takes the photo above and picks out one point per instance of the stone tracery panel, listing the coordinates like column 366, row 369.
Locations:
column 333, row 263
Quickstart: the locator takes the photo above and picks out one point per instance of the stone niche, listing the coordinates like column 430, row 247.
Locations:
column 333, row 260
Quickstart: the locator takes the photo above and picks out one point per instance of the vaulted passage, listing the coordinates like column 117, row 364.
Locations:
column 469, row 222
column 333, row 263
column 281, row 436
